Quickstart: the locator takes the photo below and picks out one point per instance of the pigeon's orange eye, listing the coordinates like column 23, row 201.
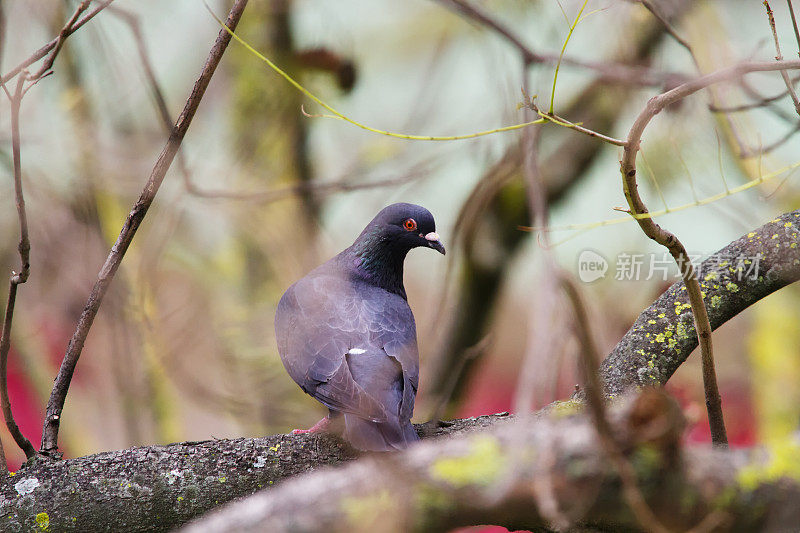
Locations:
column 410, row 224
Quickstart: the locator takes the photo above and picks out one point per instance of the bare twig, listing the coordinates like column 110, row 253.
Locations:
column 773, row 107
column 555, row 119
column 17, row 278
column 281, row 193
column 473, row 352
column 484, row 19
column 534, row 380
column 62, row 35
column 58, row 41
column 667, row 25
column 266, row 196
column 794, row 25
column 779, row 57
column 747, row 153
column 761, row 101
column 678, row 252
column 158, row 95
column 134, row 219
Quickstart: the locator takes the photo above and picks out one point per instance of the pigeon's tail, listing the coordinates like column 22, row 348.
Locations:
column 378, row 436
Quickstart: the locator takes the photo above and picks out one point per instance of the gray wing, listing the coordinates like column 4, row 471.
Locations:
column 352, row 347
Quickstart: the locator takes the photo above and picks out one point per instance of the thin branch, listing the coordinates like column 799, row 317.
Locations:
column 61, row 386
column 281, row 193
column 62, row 35
column 761, row 101
column 667, row 26
column 747, row 153
column 534, row 381
column 772, row 107
column 484, row 19
column 43, row 51
column 267, row 196
column 779, row 57
column 17, row 278
column 555, row 119
column 794, row 25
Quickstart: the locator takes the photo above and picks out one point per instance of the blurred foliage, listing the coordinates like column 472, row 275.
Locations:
column 773, row 344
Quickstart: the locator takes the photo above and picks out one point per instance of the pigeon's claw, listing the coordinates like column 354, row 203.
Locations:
column 321, row 426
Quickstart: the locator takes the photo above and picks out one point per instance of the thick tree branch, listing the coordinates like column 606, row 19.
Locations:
column 134, row 219
column 157, row 488
column 737, row 276
column 480, row 479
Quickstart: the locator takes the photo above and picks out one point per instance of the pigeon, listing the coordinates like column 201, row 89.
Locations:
column 347, row 336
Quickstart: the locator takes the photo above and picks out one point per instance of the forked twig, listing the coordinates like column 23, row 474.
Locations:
column 555, row 119
column 58, row 41
column 62, row 35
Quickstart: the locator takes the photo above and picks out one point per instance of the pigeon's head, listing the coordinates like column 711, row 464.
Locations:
column 403, row 227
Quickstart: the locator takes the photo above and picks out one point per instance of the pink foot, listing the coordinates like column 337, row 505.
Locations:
column 320, row 426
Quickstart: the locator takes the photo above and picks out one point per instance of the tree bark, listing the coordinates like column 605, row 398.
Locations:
column 156, row 488
column 527, row 476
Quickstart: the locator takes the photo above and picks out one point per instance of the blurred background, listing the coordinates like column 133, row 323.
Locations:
column 183, row 346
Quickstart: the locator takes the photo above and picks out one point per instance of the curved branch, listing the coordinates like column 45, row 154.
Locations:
column 702, row 325
column 737, row 276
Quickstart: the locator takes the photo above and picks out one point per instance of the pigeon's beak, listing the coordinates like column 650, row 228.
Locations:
column 434, row 242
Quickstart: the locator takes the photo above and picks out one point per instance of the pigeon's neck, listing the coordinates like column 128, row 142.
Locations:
column 379, row 262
